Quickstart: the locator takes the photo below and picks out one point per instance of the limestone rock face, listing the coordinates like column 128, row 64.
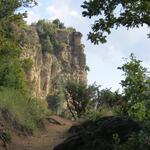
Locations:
column 50, row 70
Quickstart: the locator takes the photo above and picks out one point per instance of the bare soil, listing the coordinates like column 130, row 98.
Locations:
column 55, row 133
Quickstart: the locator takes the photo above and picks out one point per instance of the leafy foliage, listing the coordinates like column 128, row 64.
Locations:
column 26, row 110
column 8, row 8
column 47, row 32
column 79, row 97
column 11, row 71
column 12, row 75
column 13, row 87
column 113, row 14
column 108, row 98
column 136, row 88
column 27, row 64
column 59, row 24
column 56, row 102
column 137, row 141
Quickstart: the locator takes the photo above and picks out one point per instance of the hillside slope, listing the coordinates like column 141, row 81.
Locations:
column 54, row 133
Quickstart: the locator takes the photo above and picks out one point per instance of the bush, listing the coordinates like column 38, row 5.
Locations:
column 136, row 88
column 58, row 24
column 11, row 71
column 80, row 97
column 27, row 111
column 47, row 33
column 12, row 74
column 27, row 64
column 55, row 103
column 139, row 141
column 94, row 114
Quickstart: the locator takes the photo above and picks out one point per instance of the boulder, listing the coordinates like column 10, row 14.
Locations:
column 98, row 134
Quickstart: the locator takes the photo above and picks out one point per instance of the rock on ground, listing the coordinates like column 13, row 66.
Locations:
column 98, row 135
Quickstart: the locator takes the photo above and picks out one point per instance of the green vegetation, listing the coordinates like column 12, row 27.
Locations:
column 7, row 9
column 135, row 99
column 12, row 75
column 136, row 86
column 47, row 32
column 58, row 24
column 11, row 71
column 26, row 110
column 90, row 103
column 80, row 98
column 25, row 35
column 27, row 64
column 135, row 102
column 82, row 101
column 14, row 93
column 56, row 102
column 114, row 14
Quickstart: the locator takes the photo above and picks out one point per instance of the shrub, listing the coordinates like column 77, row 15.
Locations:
column 27, row 64
column 139, row 141
column 47, row 33
column 47, row 46
column 55, row 103
column 11, row 71
column 80, row 97
column 58, row 24
column 12, row 74
column 94, row 114
column 136, row 88
column 27, row 110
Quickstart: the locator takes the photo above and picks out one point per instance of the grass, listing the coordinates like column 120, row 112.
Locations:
column 26, row 110
column 94, row 114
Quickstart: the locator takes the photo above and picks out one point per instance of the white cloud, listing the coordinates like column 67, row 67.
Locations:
column 103, row 61
column 34, row 14
column 64, row 11
column 32, row 17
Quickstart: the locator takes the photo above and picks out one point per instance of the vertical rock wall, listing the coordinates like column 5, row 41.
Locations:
column 50, row 71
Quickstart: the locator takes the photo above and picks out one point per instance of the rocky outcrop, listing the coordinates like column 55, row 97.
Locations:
column 100, row 134
column 49, row 71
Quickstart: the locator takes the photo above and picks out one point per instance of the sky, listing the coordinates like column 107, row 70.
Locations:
column 103, row 59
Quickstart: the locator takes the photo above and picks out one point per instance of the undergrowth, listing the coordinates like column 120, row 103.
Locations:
column 27, row 111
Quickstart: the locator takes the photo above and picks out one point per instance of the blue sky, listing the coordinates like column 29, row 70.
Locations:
column 102, row 59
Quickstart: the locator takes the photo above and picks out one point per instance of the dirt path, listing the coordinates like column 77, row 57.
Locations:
column 45, row 140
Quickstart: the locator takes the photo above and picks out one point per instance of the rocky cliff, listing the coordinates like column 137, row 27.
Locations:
column 52, row 58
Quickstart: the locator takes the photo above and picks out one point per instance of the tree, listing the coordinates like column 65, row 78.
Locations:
column 8, row 8
column 47, row 31
column 11, row 70
column 80, row 97
column 113, row 14
column 136, row 87
column 58, row 24
column 55, row 103
column 108, row 98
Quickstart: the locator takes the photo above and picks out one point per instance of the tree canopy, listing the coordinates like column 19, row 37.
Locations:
column 136, row 86
column 11, row 70
column 80, row 97
column 8, row 7
column 113, row 14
